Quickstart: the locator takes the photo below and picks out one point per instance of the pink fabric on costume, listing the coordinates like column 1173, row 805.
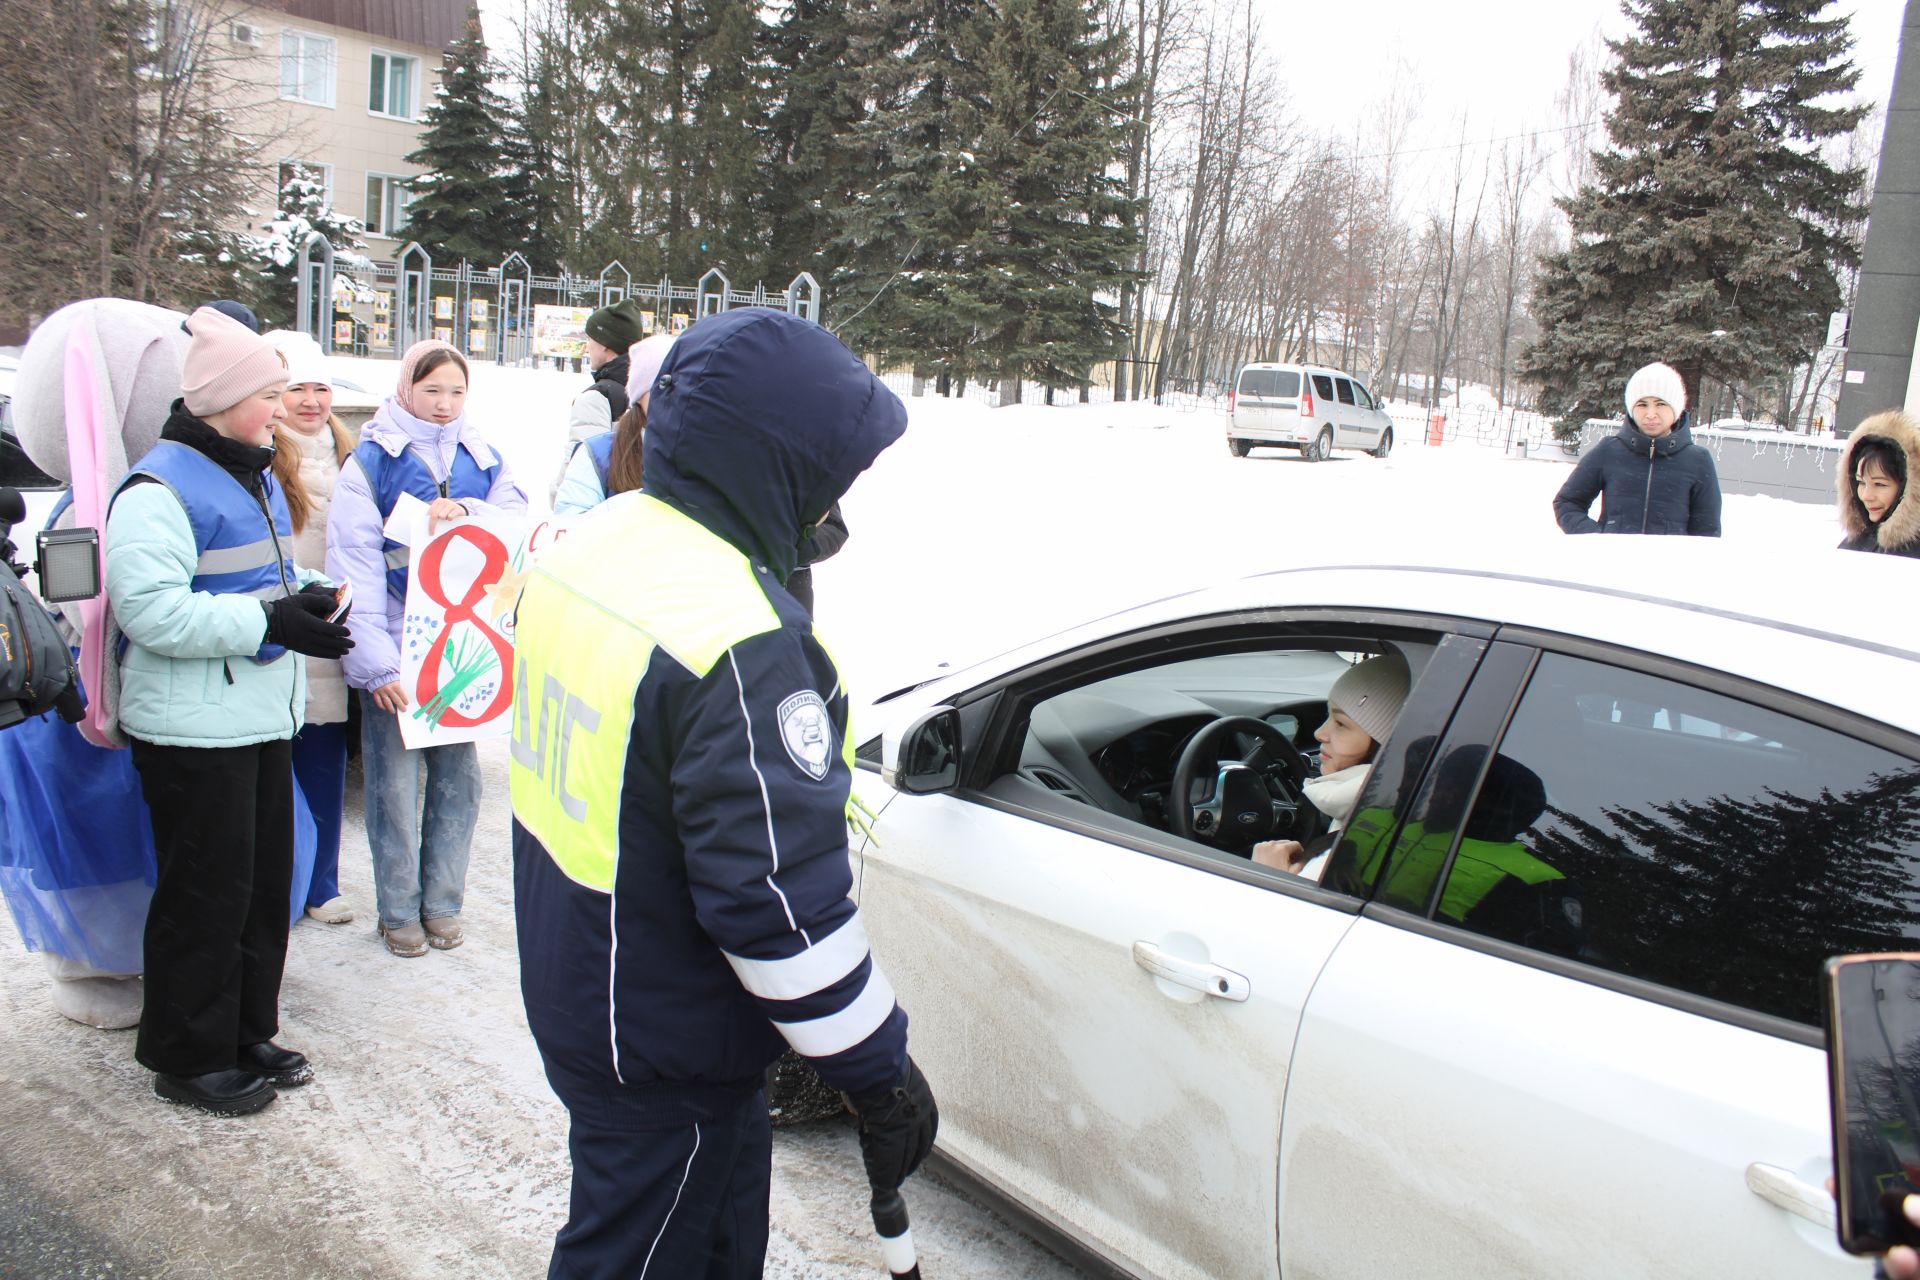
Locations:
column 411, row 361
column 85, row 426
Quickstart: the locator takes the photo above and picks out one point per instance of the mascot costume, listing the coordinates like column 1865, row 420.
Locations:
column 96, row 382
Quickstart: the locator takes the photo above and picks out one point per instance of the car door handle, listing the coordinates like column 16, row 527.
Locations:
column 1802, row 1199
column 1208, row 979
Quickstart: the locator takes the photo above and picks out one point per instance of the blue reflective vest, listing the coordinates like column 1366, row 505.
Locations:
column 244, row 542
column 389, row 476
column 600, row 449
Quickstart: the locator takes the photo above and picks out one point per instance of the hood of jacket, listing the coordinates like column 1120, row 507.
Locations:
column 1642, row 445
column 759, row 422
column 1901, row 528
column 393, row 429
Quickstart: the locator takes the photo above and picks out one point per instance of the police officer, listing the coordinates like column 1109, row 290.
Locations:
column 680, row 775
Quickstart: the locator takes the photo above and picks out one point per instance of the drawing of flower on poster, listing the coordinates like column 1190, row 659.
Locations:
column 456, row 640
column 456, row 651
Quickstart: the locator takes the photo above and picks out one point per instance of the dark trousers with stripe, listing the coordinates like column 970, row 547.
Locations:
column 674, row 1188
column 216, row 939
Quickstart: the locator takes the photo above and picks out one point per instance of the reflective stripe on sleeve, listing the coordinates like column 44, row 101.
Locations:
column 815, row 969
column 397, row 557
column 838, row 1032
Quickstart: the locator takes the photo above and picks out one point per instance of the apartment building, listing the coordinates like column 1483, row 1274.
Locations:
column 345, row 86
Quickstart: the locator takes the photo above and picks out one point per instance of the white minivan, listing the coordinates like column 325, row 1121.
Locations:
column 1306, row 407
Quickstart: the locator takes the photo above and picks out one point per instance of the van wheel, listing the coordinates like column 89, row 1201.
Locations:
column 1386, row 444
column 1322, row 447
column 1238, row 448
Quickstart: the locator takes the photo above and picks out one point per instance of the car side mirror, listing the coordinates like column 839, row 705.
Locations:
column 927, row 758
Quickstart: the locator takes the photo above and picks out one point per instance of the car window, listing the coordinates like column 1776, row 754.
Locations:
column 1344, row 389
column 1323, row 386
column 1114, row 744
column 1362, row 398
column 1270, row 384
column 1687, row 838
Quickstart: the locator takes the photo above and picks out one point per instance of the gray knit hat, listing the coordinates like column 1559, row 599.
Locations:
column 1370, row 693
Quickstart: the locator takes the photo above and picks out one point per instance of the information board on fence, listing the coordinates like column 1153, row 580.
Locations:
column 560, row 331
column 456, row 639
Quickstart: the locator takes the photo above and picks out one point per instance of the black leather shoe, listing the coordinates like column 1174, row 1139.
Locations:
column 282, row 1068
column 233, row 1092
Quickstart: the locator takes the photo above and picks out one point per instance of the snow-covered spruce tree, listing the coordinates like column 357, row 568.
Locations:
column 1049, row 242
column 1714, row 230
column 464, row 205
column 270, row 288
column 897, row 247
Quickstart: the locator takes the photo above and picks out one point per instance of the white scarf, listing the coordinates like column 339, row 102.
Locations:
column 1335, row 794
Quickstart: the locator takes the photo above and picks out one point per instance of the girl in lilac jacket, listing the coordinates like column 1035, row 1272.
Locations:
column 419, row 442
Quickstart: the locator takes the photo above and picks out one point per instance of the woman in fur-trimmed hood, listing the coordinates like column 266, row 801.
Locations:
column 1879, row 508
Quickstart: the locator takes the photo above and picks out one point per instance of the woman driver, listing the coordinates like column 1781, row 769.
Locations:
column 1361, row 708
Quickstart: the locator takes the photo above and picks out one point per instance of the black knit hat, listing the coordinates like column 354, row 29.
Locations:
column 616, row 327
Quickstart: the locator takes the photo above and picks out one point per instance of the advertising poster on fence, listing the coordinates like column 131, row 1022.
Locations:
column 456, row 639
column 560, row 332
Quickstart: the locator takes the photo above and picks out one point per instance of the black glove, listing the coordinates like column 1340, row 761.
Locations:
column 332, row 596
column 897, row 1128
column 299, row 622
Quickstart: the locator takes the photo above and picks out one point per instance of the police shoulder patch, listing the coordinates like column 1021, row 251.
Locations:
column 807, row 732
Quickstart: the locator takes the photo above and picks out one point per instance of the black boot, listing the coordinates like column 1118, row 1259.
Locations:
column 233, row 1092
column 282, row 1067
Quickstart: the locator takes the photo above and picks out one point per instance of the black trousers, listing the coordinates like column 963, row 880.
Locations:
column 667, row 1191
column 216, row 940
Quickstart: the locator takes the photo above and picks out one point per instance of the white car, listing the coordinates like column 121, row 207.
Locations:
column 1553, row 1009
column 1306, row 407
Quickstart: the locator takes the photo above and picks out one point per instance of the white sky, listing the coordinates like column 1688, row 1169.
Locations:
column 1500, row 63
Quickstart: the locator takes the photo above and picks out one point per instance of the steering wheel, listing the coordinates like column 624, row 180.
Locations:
column 1240, row 808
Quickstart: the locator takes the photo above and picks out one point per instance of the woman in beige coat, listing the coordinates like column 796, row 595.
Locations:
column 308, row 453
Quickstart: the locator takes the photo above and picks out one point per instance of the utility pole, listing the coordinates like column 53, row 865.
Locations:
column 1886, row 312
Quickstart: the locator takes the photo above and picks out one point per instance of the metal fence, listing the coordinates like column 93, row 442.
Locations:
column 504, row 313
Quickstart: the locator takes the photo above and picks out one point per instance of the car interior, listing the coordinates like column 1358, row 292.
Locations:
column 1234, row 730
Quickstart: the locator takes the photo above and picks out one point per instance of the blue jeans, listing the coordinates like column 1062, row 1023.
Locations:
column 419, row 860
column 320, row 767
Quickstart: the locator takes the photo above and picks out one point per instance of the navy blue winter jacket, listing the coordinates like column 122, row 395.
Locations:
column 1646, row 484
column 680, row 766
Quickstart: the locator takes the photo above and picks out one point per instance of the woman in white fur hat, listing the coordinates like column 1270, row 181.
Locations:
column 1650, row 476
column 1362, row 706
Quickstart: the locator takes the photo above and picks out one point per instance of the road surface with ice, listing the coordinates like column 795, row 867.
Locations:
column 429, row 1142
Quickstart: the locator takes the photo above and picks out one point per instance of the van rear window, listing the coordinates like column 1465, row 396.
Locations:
column 1270, row 384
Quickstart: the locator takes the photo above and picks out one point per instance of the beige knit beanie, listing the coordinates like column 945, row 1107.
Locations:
column 226, row 363
column 1371, row 692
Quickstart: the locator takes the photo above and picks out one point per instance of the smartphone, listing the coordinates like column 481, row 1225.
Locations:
column 342, row 601
column 1873, row 1060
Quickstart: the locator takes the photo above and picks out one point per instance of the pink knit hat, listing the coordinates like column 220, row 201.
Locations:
column 644, row 359
column 411, row 360
column 226, row 362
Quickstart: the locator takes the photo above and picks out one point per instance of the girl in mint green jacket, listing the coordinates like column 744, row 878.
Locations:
column 216, row 617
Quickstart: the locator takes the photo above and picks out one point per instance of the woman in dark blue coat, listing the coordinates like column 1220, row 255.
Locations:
column 1650, row 477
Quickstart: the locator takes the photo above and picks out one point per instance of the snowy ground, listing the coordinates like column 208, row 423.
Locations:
column 429, row 1142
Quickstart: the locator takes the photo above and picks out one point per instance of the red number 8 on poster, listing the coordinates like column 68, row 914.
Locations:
column 494, row 564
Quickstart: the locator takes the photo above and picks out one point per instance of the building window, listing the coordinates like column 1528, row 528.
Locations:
column 387, row 198
column 306, row 68
column 391, row 84
column 319, row 174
